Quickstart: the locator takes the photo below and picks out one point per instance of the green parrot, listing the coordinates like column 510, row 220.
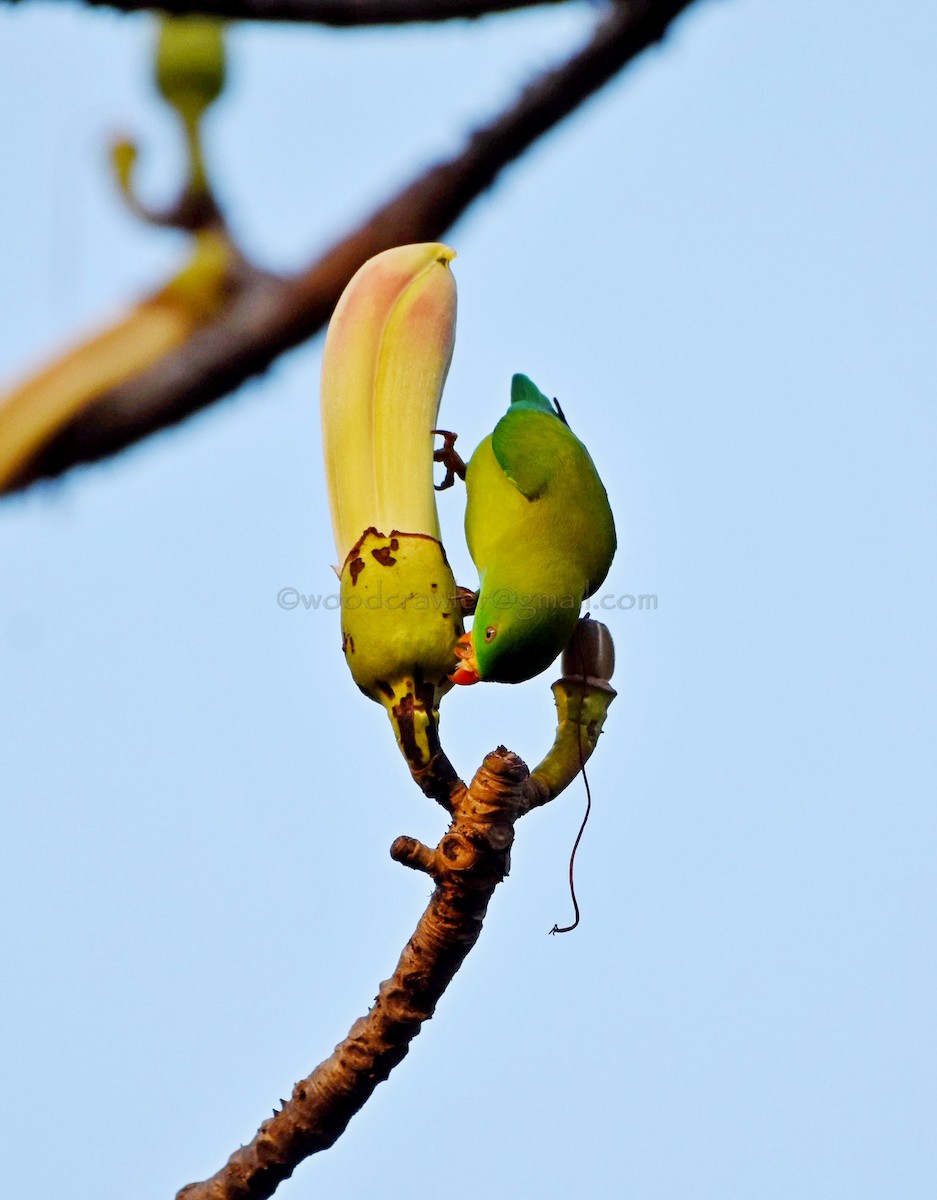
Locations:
column 540, row 532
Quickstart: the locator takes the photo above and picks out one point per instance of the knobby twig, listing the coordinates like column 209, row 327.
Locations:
column 337, row 13
column 472, row 858
column 271, row 314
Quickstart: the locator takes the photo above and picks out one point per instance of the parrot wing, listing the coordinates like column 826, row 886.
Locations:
column 524, row 441
column 525, row 395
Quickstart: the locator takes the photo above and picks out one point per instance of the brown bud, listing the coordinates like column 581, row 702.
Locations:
column 590, row 652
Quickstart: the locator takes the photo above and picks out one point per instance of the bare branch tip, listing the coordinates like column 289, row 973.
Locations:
column 412, row 853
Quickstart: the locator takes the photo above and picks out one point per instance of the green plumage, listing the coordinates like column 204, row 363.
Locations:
column 541, row 535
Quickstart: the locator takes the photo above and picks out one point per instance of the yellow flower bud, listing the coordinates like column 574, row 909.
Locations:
column 190, row 62
column 386, row 356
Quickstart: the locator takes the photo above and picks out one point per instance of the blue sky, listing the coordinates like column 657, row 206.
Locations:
column 725, row 267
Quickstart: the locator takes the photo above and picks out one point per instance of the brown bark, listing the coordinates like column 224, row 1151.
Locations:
column 470, row 861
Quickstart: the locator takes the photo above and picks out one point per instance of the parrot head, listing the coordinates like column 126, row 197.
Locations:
column 514, row 637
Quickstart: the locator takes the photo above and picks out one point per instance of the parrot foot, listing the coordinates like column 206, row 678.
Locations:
column 450, row 458
column 468, row 600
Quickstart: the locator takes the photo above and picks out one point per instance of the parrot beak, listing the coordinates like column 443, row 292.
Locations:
column 467, row 671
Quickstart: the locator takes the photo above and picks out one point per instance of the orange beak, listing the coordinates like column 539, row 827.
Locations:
column 467, row 670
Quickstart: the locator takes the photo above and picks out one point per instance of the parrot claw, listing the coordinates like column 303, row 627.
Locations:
column 448, row 456
column 468, row 600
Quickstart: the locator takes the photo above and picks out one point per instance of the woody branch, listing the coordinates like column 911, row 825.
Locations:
column 469, row 862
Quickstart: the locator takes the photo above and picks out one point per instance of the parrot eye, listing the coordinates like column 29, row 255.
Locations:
column 490, row 633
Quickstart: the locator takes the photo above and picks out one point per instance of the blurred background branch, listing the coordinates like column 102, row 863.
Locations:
column 264, row 315
column 337, row 13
